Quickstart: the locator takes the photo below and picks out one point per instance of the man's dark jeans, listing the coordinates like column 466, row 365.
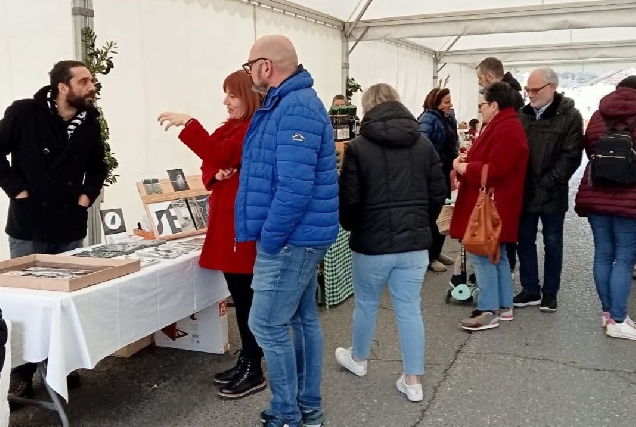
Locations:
column 528, row 257
column 19, row 248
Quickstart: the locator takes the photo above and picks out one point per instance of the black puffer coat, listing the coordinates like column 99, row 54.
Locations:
column 556, row 147
column 390, row 184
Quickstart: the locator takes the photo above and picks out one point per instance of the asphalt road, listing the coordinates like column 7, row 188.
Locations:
column 539, row 370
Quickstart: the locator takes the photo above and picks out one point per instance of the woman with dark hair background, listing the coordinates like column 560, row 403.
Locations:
column 438, row 125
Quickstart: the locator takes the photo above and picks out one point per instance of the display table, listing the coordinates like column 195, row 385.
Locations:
column 337, row 270
column 78, row 329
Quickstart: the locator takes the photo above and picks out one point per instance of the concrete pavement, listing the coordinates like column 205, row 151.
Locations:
column 539, row 370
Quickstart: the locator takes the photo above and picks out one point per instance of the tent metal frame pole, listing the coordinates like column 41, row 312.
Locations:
column 349, row 27
column 83, row 14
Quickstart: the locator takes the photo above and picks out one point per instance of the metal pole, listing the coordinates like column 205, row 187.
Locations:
column 345, row 63
column 358, row 18
column 83, row 13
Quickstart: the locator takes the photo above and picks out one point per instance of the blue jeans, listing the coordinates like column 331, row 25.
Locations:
column 405, row 273
column 527, row 252
column 494, row 281
column 614, row 258
column 285, row 295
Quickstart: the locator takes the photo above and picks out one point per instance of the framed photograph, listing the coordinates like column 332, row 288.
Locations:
column 178, row 180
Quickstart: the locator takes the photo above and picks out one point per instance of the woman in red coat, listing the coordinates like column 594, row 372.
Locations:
column 221, row 156
column 611, row 212
column 503, row 146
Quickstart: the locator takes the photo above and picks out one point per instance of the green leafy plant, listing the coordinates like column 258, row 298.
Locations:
column 99, row 60
column 352, row 87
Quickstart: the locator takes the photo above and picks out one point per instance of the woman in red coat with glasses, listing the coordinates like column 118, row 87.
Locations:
column 221, row 156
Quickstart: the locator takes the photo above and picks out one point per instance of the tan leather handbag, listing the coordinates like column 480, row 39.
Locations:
column 484, row 226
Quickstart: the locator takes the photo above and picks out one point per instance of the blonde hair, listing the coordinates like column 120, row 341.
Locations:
column 378, row 94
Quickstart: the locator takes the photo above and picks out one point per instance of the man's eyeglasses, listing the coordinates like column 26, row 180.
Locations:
column 532, row 91
column 249, row 64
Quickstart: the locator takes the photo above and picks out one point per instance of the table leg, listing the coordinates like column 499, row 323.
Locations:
column 53, row 405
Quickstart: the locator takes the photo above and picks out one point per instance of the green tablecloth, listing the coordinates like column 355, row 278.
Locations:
column 337, row 271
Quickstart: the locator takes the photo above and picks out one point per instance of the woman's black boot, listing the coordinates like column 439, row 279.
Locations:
column 249, row 380
column 226, row 377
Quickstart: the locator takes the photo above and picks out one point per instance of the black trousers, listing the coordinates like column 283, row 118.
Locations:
column 438, row 239
column 240, row 286
column 511, row 250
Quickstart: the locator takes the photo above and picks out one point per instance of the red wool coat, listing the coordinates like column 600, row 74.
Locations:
column 504, row 147
column 598, row 199
column 221, row 150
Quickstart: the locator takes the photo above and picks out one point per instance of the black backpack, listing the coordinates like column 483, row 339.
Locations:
column 614, row 160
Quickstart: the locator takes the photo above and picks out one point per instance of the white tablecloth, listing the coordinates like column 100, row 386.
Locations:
column 78, row 329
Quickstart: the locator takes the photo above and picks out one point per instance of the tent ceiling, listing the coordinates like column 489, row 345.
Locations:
column 517, row 31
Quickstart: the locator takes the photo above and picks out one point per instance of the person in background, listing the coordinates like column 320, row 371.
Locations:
column 472, row 129
column 339, row 101
column 554, row 128
column 288, row 203
column 56, row 173
column 438, row 125
column 489, row 72
column 391, row 179
column 502, row 146
column 220, row 153
column 611, row 212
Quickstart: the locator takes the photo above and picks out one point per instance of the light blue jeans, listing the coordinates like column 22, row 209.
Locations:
column 285, row 296
column 614, row 258
column 494, row 281
column 404, row 273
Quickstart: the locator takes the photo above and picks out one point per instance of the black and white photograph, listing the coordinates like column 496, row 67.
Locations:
column 184, row 214
column 177, row 179
column 47, row 272
column 197, row 215
column 152, row 186
column 204, row 207
column 113, row 222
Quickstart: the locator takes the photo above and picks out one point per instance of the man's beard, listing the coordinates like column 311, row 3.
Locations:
column 81, row 103
column 260, row 88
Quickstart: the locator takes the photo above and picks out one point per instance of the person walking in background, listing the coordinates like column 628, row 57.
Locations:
column 489, row 72
column 502, row 146
column 438, row 125
column 611, row 208
column 287, row 202
column 554, row 128
column 220, row 153
column 56, row 173
column 391, row 180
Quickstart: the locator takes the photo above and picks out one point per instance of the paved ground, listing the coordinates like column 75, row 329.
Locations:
column 540, row 370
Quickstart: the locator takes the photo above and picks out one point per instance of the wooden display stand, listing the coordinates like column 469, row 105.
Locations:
column 135, row 347
column 163, row 220
column 39, row 271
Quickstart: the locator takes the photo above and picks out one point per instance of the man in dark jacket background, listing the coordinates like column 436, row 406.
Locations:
column 489, row 72
column 57, row 171
column 554, row 128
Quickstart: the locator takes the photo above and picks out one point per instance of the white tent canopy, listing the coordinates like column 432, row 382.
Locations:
column 511, row 29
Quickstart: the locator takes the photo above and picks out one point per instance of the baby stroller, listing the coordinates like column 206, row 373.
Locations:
column 463, row 287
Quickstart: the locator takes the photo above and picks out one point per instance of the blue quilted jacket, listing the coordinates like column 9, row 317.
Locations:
column 288, row 184
column 432, row 126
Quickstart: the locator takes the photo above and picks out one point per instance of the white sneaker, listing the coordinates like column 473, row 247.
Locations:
column 506, row 314
column 344, row 359
column 625, row 330
column 413, row 391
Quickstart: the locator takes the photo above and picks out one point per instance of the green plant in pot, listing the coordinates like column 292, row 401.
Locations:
column 99, row 60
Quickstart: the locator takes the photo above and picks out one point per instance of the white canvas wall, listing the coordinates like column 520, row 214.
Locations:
column 409, row 72
column 34, row 34
column 174, row 55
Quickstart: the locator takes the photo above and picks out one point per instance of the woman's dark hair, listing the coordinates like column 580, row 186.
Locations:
column 434, row 98
column 501, row 93
column 629, row 82
column 473, row 123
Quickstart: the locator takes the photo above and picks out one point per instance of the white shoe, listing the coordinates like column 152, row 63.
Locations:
column 625, row 330
column 413, row 391
column 344, row 359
